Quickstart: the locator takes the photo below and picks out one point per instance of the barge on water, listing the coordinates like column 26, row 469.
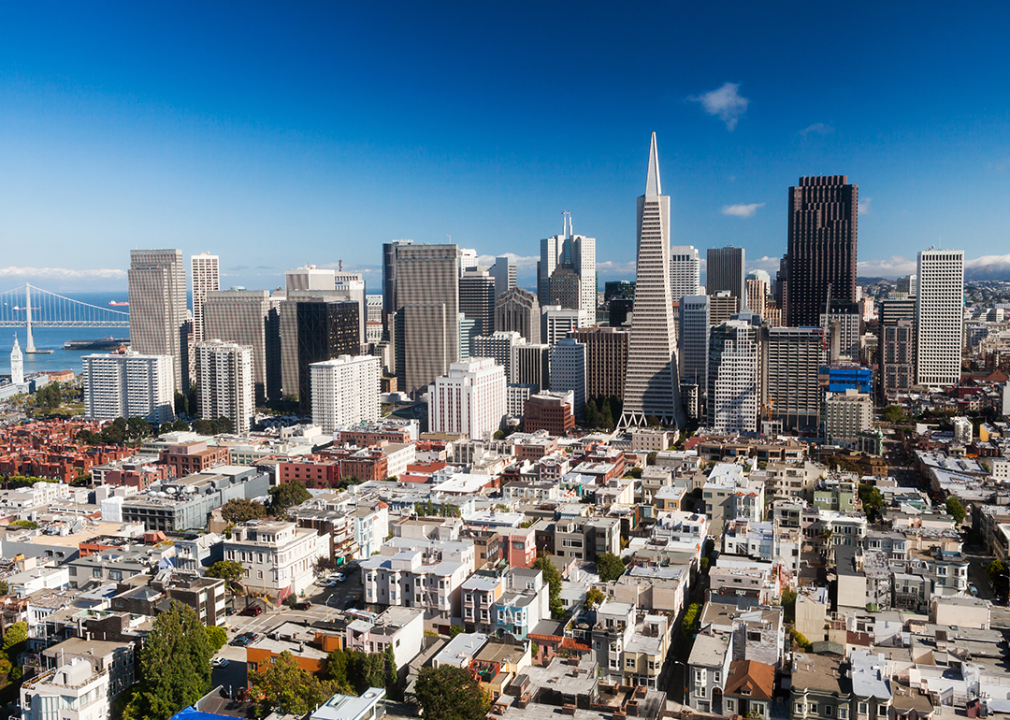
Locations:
column 102, row 344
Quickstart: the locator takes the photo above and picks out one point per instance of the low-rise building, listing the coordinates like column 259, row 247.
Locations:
column 278, row 556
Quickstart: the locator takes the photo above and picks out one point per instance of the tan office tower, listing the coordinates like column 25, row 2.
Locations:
column 427, row 314
column 158, row 323
column 226, row 382
column 250, row 317
column 652, row 388
column 519, row 310
column 606, row 360
column 206, row 278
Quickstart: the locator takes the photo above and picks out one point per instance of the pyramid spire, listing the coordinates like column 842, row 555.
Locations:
column 652, row 187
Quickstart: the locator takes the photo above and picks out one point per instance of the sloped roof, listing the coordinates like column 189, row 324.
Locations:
column 751, row 679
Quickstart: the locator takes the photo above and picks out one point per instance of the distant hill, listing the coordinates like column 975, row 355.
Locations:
column 997, row 272
column 872, row 280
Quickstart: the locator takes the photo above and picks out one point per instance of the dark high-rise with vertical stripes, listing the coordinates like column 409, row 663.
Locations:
column 823, row 219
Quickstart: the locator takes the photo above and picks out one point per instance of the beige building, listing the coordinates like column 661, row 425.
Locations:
column 845, row 416
column 278, row 557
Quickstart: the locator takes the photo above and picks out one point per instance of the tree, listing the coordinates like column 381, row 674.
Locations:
column 789, row 605
column 594, row 597
column 553, row 579
column 455, row 630
column 392, row 674
column 4, row 589
column 227, row 570
column 174, row 665
column 240, row 510
column 636, row 472
column 287, row 495
column 609, row 567
column 15, row 641
column 895, row 415
column 450, row 693
column 872, row 500
column 217, row 636
column 955, row 509
column 181, row 405
column 138, row 427
column 650, row 459
column 687, row 625
column 286, row 687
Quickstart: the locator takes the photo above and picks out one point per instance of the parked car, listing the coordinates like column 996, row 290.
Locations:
column 973, row 590
column 252, row 611
column 244, row 639
column 219, row 662
column 302, row 605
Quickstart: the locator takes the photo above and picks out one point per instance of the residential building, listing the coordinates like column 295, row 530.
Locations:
column 345, row 391
column 749, row 689
column 652, row 388
column 158, row 326
column 708, row 670
column 79, row 691
column 206, row 278
column 821, row 252
column 400, row 627
column 129, row 384
column 845, row 416
column 819, row 688
column 470, row 400
column 278, row 556
column 226, row 382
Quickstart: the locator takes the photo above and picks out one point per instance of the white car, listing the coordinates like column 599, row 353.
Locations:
column 219, row 662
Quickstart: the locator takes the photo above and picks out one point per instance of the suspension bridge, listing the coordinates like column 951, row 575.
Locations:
column 28, row 306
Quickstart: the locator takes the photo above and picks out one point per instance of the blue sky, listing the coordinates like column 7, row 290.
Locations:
column 277, row 136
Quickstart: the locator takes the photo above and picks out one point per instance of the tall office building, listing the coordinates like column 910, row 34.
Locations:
column 566, row 288
column 725, row 271
column 504, row 273
column 469, row 400
column 287, row 311
column 125, row 385
column 693, row 346
column 158, row 323
column 518, row 309
column 573, row 252
column 226, row 382
column 249, row 317
column 721, row 307
column 350, row 287
column 757, row 293
column 896, row 345
column 531, row 365
column 939, row 317
column 652, row 388
column 389, row 282
column 309, row 277
column 498, row 346
column 843, row 331
column 606, row 360
column 467, row 260
column 345, row 391
column 734, row 377
column 427, row 308
column 325, row 330
column 476, row 299
column 685, row 271
column 823, row 225
column 469, row 330
column 793, row 394
column 568, row 371
column 206, row 278
column 557, row 322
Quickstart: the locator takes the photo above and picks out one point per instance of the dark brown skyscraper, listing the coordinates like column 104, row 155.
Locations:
column 822, row 246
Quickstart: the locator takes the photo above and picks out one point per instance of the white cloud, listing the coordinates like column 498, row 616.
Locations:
column 864, row 206
column 611, row 268
column 767, row 263
column 744, row 211
column 819, row 128
column 987, row 261
column 894, row 266
column 62, row 273
column 726, row 102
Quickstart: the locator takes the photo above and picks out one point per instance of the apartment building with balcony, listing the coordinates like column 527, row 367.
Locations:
column 278, row 556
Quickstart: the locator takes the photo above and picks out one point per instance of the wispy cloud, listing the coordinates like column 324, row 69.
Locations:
column 63, row 273
column 894, row 266
column 744, row 211
column 767, row 263
column 987, row 261
column 726, row 102
column 864, row 206
column 615, row 269
column 818, row 129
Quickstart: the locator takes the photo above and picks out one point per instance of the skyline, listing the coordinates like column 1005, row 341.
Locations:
column 282, row 141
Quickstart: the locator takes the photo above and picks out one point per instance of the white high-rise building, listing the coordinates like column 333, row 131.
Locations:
column 685, row 271
column 557, row 322
column 157, row 281
column 205, row 274
column 734, row 375
column 471, row 400
column 939, row 317
column 573, row 252
column 345, row 391
column 17, row 364
column 226, row 382
column 498, row 346
column 568, row 371
column 504, row 273
column 309, row 277
column 129, row 385
column 467, row 260
column 653, row 386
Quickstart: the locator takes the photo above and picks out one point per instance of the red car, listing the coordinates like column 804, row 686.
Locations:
column 252, row 611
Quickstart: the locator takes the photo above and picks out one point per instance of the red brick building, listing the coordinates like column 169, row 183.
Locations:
column 548, row 412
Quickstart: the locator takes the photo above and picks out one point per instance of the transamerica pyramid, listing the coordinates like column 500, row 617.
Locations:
column 652, row 386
